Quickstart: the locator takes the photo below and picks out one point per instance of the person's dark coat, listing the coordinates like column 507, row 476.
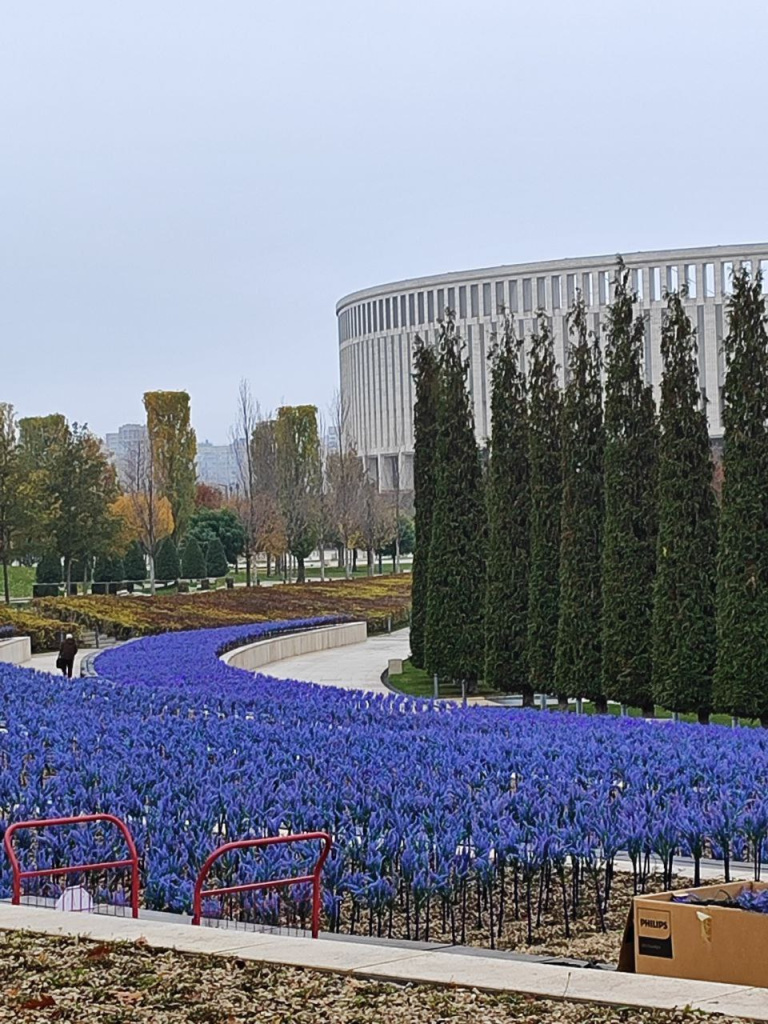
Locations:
column 68, row 650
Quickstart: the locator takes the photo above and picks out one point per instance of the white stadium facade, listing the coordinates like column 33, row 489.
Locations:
column 378, row 327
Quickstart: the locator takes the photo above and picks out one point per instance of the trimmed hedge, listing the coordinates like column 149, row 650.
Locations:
column 44, row 632
column 378, row 600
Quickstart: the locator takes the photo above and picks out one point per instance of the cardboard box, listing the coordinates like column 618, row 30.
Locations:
column 705, row 943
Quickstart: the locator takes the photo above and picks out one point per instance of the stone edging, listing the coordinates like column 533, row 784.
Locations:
column 15, row 650
column 279, row 646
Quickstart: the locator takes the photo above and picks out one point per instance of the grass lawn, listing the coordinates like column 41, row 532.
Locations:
column 20, row 578
column 417, row 683
column 84, row 982
column 615, row 709
column 332, row 572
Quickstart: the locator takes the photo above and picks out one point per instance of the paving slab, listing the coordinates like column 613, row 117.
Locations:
column 402, row 964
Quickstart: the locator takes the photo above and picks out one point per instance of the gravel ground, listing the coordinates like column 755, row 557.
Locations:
column 46, row 979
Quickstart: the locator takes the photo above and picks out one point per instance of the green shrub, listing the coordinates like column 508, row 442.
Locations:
column 216, row 559
column 192, row 560
column 48, row 569
column 167, row 565
column 135, row 564
column 109, row 569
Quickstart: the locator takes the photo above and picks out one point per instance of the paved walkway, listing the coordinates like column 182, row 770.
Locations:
column 354, row 667
column 47, row 662
column 404, row 964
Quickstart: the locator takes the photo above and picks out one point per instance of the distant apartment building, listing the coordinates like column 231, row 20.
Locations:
column 216, row 464
column 123, row 445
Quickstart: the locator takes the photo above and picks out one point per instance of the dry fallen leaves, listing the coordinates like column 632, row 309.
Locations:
column 47, row 979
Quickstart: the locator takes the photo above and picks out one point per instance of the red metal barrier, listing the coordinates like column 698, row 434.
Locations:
column 242, row 844
column 132, row 861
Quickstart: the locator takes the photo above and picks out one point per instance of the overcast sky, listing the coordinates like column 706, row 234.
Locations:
column 188, row 187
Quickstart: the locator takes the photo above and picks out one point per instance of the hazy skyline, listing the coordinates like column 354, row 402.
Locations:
column 186, row 188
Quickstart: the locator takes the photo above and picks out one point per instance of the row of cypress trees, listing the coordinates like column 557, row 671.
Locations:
column 579, row 553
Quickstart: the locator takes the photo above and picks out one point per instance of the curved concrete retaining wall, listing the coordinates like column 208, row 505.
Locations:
column 263, row 652
column 17, row 650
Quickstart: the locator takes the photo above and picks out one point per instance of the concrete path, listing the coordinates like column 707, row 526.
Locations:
column 46, row 662
column 354, row 667
column 403, row 964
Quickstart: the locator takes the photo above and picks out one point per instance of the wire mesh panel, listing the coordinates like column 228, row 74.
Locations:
column 61, row 864
column 267, row 883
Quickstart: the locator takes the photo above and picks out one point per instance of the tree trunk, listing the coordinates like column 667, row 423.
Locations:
column 269, row 565
column 247, row 567
column 527, row 699
column 6, row 583
column 601, row 706
column 703, row 717
column 369, row 557
column 354, row 560
column 347, row 561
column 648, row 710
column 381, row 563
column 322, row 562
column 151, row 574
column 342, row 554
column 300, row 577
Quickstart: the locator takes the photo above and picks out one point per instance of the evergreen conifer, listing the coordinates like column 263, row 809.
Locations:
column 167, row 567
column 135, row 563
column 48, row 569
column 507, row 502
column 108, row 569
column 578, row 658
column 545, row 472
column 684, row 588
column 216, row 559
column 454, row 631
column 629, row 553
column 425, row 441
column 192, row 560
column 741, row 673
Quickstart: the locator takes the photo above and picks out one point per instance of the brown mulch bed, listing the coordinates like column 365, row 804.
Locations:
column 587, row 940
column 46, row 979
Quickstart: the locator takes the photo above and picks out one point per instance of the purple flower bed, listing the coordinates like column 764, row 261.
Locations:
column 427, row 805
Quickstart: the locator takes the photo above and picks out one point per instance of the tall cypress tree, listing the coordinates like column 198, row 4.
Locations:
column 508, row 503
column 741, row 674
column 578, row 657
column 545, row 468
column 629, row 553
column 453, row 644
column 684, row 588
column 425, row 443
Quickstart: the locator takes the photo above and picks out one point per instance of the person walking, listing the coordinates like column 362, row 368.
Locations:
column 67, row 652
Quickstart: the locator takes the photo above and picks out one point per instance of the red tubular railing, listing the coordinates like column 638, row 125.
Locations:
column 314, row 878
column 131, row 861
